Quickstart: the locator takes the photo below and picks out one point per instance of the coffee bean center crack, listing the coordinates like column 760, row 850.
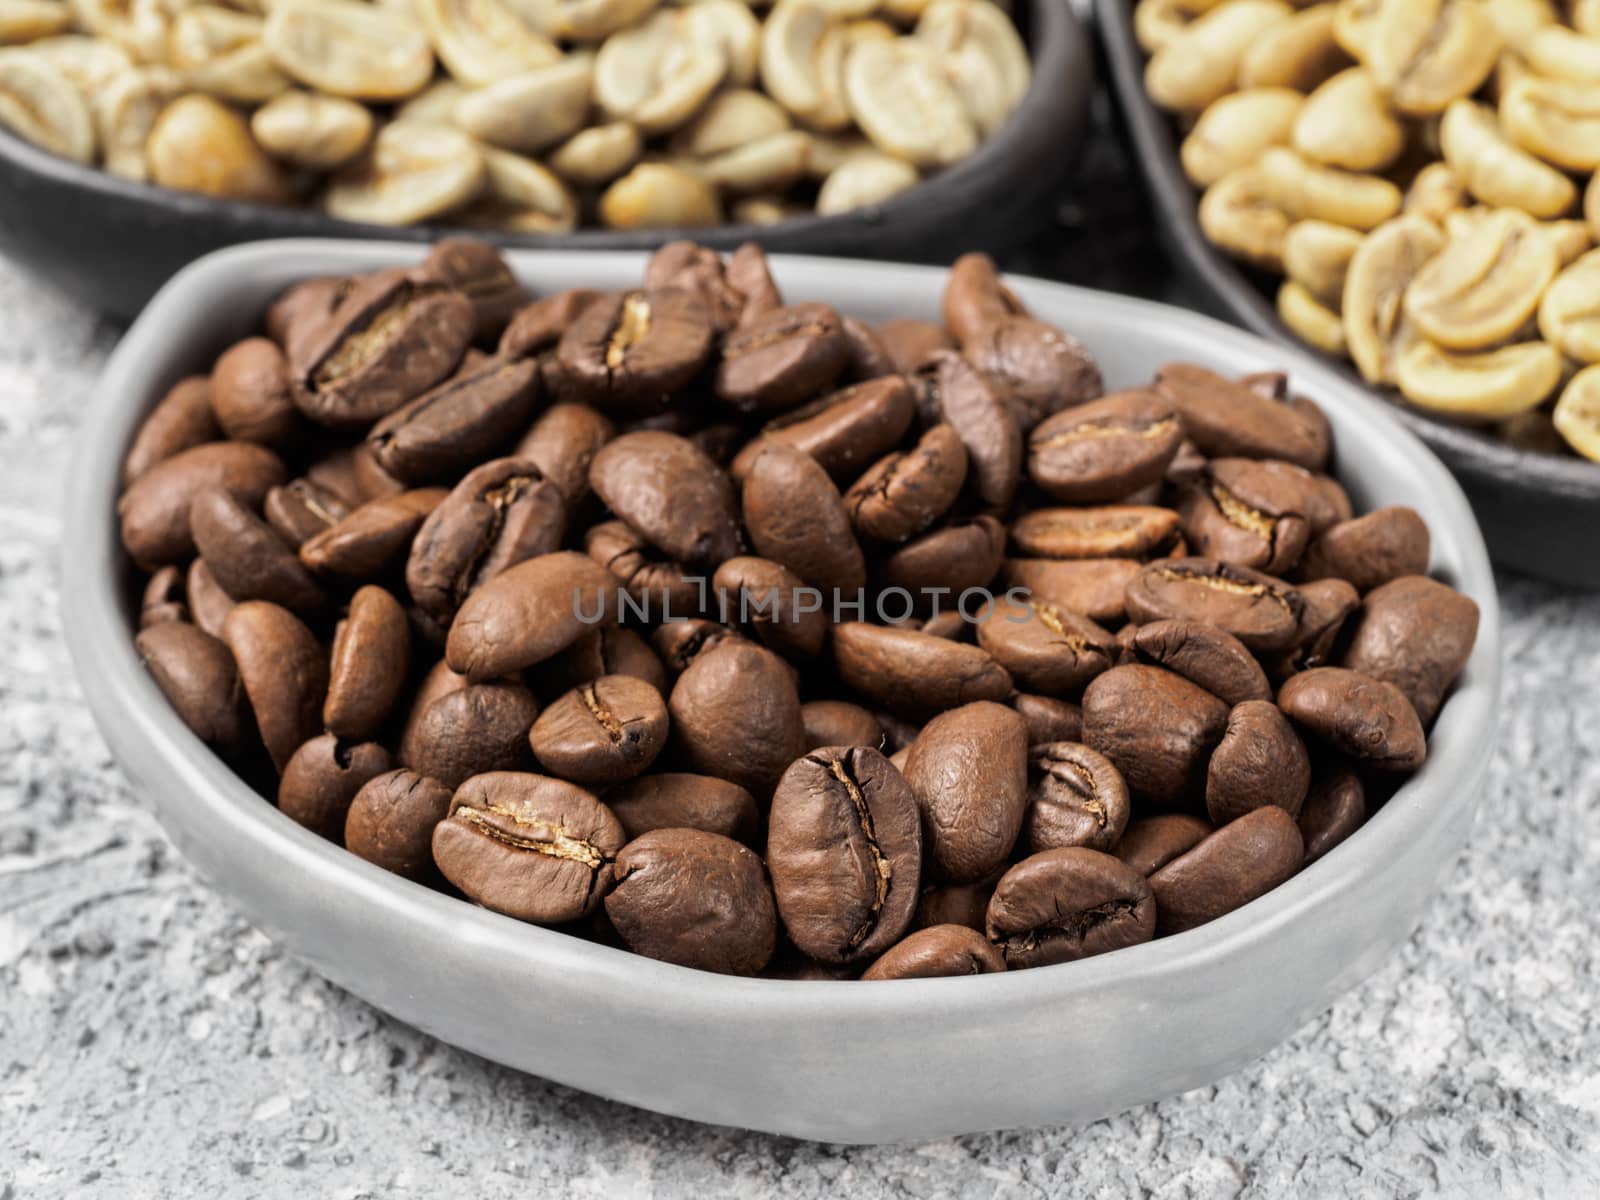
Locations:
column 544, row 837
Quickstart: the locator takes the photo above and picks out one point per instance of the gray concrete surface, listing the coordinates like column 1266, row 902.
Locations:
column 152, row 1044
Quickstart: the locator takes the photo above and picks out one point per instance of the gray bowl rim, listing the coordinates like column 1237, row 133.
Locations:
column 99, row 637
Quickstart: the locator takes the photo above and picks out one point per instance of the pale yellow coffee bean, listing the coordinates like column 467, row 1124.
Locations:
column 1558, row 120
column 125, row 111
column 436, row 102
column 1375, row 328
column 1572, row 239
column 865, row 181
column 655, row 75
column 846, row 10
column 1300, row 53
column 1514, row 20
column 220, row 52
column 533, row 110
column 320, row 133
column 1425, row 54
column 1353, row 22
column 1158, row 22
column 201, row 145
column 23, row 21
column 765, row 210
column 904, row 102
column 1569, row 313
column 982, row 54
column 589, row 20
column 199, row 34
column 802, row 63
column 414, row 171
column 769, row 164
column 1435, row 192
column 39, row 104
column 659, row 196
column 483, row 41
column 523, row 186
column 349, row 49
column 1591, row 204
column 1577, row 414
column 1480, row 287
column 1310, row 320
column 149, row 30
column 730, row 119
column 727, row 27
column 1201, row 64
column 1494, row 170
column 829, row 153
column 1346, row 123
column 89, row 63
column 1238, row 218
column 1317, row 255
column 1562, row 53
column 110, row 19
column 1235, row 130
column 1307, row 190
column 598, row 154
column 1489, row 386
column 1585, row 16
column 1464, row 221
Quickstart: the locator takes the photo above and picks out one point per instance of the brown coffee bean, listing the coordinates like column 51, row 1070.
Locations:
column 391, row 822
column 298, row 313
column 736, row 715
column 905, row 492
column 1076, row 797
column 608, row 650
column 774, row 603
column 1049, row 718
column 1259, row 610
column 478, row 271
column 471, row 730
column 371, row 656
column 336, row 472
column 903, row 668
column 1260, row 760
column 694, row 268
column 1365, row 718
column 685, row 801
column 1045, row 648
column 209, row 604
column 782, row 357
column 938, row 951
column 1369, row 551
column 1105, row 450
column 563, row 443
column 1204, row 655
column 969, row 771
column 284, row 670
column 976, row 408
column 372, row 538
column 163, row 599
column 666, row 489
column 251, row 396
column 1040, row 369
column 908, row 341
column 868, row 358
column 181, row 420
column 462, row 421
column 1227, row 419
column 1417, row 634
column 1328, row 605
column 1241, row 861
column 1151, row 843
column 322, row 778
column 300, row 509
column 247, row 558
column 1238, row 511
column 796, row 517
column 839, row 723
column 628, row 352
column 664, row 590
column 949, row 559
column 1095, row 587
column 1113, row 531
column 695, row 899
column 155, row 509
column 679, row 643
column 844, row 846
column 1063, row 905
column 602, row 732
column 374, row 482
column 529, row 612
column 1156, row 727
column 1335, row 808
column 196, row 673
column 843, row 430
column 439, row 681
column 534, row 848
column 975, row 297
column 964, row 904
column 536, row 328
column 750, row 274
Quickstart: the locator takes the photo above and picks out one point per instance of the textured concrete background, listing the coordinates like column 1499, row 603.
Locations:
column 152, row 1044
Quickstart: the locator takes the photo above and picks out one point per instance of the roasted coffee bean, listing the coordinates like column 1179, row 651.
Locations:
column 1226, row 419
column 536, row 328
column 470, row 730
column 844, row 845
column 463, row 420
column 1114, row 531
column 1049, row 718
column 954, row 558
column 196, row 673
column 529, row 612
column 1045, row 648
column 1417, row 634
column 964, row 904
column 439, row 681
column 163, row 599
column 908, row 342
column 1040, row 369
column 1244, row 859
column 679, row 643
column 1076, row 797
column 284, row 671
column 208, row 603
column 322, row 778
column 627, row 353
column 843, row 430
column 664, row 590
column 908, row 669
column 1105, row 450
column 839, row 723
column 390, row 339
column 685, row 801
column 796, row 517
column 1095, row 587
column 1369, row 551
column 723, row 698
column 666, row 489
column 975, row 297
column 1362, row 717
column 1156, row 727
column 1062, row 905
column 969, row 771
column 155, row 509
column 603, row 732
column 336, row 473
column 694, row 268
column 301, row 309
column 774, row 603
column 372, row 538
column 480, row 272
column 371, row 656
column 1260, row 760
column 1205, row 655
column 975, row 407
column 938, row 951
column 534, row 848
column 1328, row 605
column 375, row 483
column 695, row 899
column 1262, row 612
column 181, row 420
column 1151, row 843
column 301, row 509
column 563, row 443
column 250, row 393
column 868, row 359
column 609, row 650
column 905, row 492
column 501, row 513
column 246, row 556
column 1242, row 511
column 391, row 822
column 1335, row 808
column 782, row 357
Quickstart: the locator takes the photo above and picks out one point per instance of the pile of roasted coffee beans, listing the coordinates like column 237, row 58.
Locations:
column 1412, row 169
column 758, row 639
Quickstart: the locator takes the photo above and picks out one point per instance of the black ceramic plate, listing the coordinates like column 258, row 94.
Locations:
column 1540, row 512
column 113, row 243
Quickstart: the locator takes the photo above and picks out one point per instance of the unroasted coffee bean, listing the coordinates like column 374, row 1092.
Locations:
column 1227, row 419
column 609, row 650
column 371, row 655
column 196, row 673
column 907, row 669
column 478, row 271
column 391, row 822
column 844, row 845
column 775, row 603
column 372, row 538
column 666, row 488
column 301, row 509
column 605, row 731
column 208, row 603
column 969, row 771
column 1335, row 808
column 779, row 358
column 695, row 899
column 1045, row 648
column 796, row 517
column 1062, row 905
column 628, row 352
column 1244, row 859
column 529, row 612
column 1156, row 727
column 163, row 599
column 1205, row 655
column 843, row 430
column 1151, row 843
column 908, row 342
column 1370, row 551
column 839, row 723
column 1362, row 717
column 250, row 393
column 1105, row 450
column 461, row 421
column 736, row 715
column 938, row 951
column 534, row 848
column 975, row 407
column 155, row 508
column 471, row 730
column 1260, row 760
column 1076, row 797
column 1095, row 587
column 322, row 778
column 284, row 671
column 563, row 443
column 1262, row 612
column 685, row 801
column 955, row 557
column 181, row 420
column 905, row 492
column 1417, row 634
column 1049, row 718
column 1041, row 369
column 1112, row 531
column 246, row 556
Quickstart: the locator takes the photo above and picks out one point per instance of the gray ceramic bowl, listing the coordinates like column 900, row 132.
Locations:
column 846, row 1062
